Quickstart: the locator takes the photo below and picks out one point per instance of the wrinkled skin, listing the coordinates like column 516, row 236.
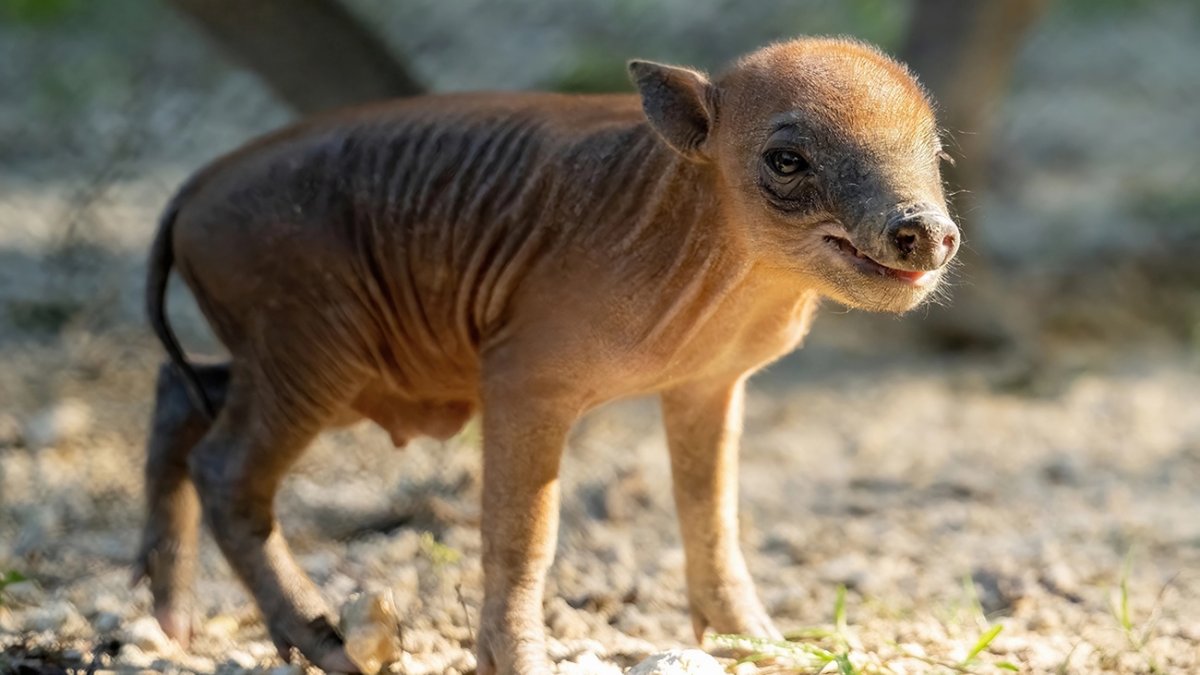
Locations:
column 529, row 257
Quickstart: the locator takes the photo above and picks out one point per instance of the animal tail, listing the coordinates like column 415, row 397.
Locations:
column 158, row 272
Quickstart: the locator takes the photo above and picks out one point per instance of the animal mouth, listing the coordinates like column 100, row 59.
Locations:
column 865, row 264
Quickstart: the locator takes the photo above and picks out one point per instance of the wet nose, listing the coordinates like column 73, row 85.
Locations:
column 923, row 237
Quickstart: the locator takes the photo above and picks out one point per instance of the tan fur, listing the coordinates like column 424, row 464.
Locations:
column 530, row 256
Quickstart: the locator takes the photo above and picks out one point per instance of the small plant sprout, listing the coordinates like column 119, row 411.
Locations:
column 438, row 553
column 9, row 578
column 1138, row 636
column 820, row 650
column 841, row 651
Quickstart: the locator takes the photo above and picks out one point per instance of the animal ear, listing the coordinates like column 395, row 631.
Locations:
column 679, row 104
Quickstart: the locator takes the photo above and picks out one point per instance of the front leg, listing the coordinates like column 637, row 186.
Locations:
column 704, row 423
column 524, row 433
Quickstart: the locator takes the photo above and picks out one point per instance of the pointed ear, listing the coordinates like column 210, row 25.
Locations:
column 679, row 104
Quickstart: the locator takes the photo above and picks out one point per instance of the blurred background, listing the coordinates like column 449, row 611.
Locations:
column 1015, row 457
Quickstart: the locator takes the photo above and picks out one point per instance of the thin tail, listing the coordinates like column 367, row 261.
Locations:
column 158, row 272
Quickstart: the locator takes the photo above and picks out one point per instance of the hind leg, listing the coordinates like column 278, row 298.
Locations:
column 168, row 551
column 237, row 468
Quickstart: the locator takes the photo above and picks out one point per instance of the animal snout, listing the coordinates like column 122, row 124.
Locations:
column 923, row 237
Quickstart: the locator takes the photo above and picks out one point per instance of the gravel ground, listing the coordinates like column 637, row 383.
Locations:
column 942, row 496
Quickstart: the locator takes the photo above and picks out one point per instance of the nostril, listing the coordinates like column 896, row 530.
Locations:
column 906, row 242
column 949, row 241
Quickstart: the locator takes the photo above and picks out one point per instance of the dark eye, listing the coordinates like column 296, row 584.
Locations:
column 786, row 162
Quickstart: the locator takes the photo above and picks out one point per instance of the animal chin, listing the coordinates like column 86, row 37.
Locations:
column 868, row 266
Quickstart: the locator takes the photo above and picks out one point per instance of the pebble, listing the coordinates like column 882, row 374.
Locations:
column 565, row 650
column 678, row 662
column 57, row 616
column 564, row 621
column 134, row 656
column 587, row 663
column 321, row 565
column 371, row 630
column 222, row 627
column 263, row 650
column 421, row 641
column 746, row 668
column 52, row 425
column 23, row 593
column 850, row 570
column 632, row 621
column 241, row 658
column 1059, row 578
column 145, row 634
column 106, row 622
column 340, row 585
column 1045, row 620
column 104, row 602
column 10, row 431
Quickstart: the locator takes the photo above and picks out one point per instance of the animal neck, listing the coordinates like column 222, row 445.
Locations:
column 661, row 209
column 669, row 239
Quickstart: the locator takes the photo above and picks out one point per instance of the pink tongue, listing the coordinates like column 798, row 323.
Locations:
column 911, row 277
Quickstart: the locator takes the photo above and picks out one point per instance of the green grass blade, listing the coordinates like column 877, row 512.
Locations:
column 809, row 634
column 972, row 593
column 845, row 667
column 1125, row 618
column 839, row 610
column 12, row 577
column 983, row 642
column 762, row 647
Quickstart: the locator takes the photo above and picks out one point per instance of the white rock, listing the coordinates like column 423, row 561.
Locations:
column 222, row 627
column 241, row 658
column 24, row 593
column 106, row 622
column 262, row 650
column 565, row 621
column 52, row 425
column 679, row 662
column 132, row 656
column 145, row 634
column 57, row 616
column 194, row 664
column 565, row 650
column 587, row 663
column 105, row 602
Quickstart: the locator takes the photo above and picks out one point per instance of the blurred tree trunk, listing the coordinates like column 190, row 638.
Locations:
column 313, row 54
column 963, row 50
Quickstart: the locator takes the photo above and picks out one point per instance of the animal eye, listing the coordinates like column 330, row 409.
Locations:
column 786, row 162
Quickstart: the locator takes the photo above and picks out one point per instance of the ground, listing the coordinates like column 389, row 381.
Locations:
column 947, row 495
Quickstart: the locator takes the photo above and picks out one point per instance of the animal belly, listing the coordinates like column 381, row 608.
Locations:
column 405, row 419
